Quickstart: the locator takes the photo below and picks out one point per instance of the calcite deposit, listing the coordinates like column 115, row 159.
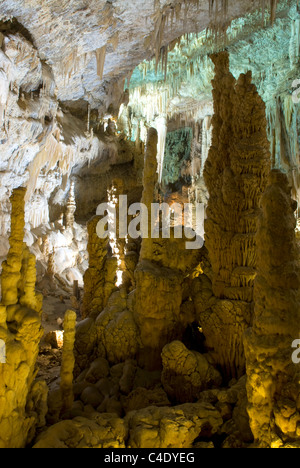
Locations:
column 21, row 411
column 272, row 376
column 235, row 173
column 149, row 237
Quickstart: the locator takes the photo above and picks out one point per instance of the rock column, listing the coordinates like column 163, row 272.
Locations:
column 273, row 380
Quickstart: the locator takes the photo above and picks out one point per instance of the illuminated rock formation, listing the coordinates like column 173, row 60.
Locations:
column 100, row 278
column 235, row 173
column 117, row 330
column 186, row 373
column 22, row 400
column 272, row 377
column 159, row 275
column 68, row 361
column 11, row 268
column 71, row 207
column 97, row 431
column 150, row 179
column 174, row 427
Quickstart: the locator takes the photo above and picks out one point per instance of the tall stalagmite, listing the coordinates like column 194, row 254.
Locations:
column 235, row 173
column 162, row 267
column 68, row 361
column 100, row 277
column 22, row 400
column 272, row 377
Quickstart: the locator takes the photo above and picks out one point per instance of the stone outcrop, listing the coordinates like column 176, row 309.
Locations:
column 175, row 427
column 272, row 377
column 186, row 373
column 116, row 329
column 97, row 431
column 22, row 400
column 235, row 174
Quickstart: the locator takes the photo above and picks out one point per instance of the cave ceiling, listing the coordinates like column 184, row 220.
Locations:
column 63, row 61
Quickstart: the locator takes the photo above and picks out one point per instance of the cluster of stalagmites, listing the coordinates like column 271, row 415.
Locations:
column 194, row 349
column 23, row 400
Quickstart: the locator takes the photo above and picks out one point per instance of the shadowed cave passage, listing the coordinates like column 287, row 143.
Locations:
column 137, row 341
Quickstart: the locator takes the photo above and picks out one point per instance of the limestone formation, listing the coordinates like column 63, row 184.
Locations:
column 68, row 361
column 186, row 373
column 272, row 377
column 176, row 427
column 117, row 330
column 97, row 431
column 21, row 410
column 159, row 276
column 71, row 207
column 11, row 268
column 235, row 173
column 171, row 347
column 100, row 278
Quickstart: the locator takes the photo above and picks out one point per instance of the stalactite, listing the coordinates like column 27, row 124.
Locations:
column 54, row 152
column 100, row 57
column 273, row 9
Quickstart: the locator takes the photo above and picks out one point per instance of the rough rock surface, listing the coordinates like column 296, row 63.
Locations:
column 22, row 401
column 186, row 373
column 175, row 427
column 236, row 174
column 97, row 431
column 100, row 277
column 272, row 377
column 117, row 330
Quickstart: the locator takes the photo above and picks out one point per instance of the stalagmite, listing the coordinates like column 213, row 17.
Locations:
column 20, row 330
column 68, row 361
column 235, row 174
column 150, row 179
column 159, row 276
column 100, row 278
column 11, row 268
column 116, row 242
column 272, row 376
column 71, row 207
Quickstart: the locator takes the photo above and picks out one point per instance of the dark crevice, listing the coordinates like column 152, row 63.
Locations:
column 12, row 26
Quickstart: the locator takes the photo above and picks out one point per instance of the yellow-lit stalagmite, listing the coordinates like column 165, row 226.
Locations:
column 100, row 277
column 273, row 379
column 159, row 276
column 11, row 268
column 21, row 399
column 235, row 173
column 68, row 361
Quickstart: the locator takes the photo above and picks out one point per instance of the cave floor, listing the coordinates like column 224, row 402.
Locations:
column 55, row 305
